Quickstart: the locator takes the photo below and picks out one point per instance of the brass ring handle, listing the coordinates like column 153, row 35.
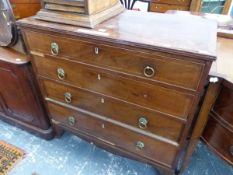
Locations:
column 68, row 97
column 149, row 71
column 231, row 150
column 71, row 120
column 140, row 145
column 61, row 73
column 54, row 49
column 142, row 123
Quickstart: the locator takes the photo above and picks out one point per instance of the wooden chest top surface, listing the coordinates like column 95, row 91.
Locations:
column 186, row 35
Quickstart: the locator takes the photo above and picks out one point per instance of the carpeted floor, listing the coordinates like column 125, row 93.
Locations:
column 73, row 156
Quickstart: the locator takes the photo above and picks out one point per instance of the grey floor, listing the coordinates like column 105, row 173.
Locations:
column 70, row 155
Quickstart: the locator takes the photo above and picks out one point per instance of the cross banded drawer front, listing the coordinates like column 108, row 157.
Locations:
column 144, row 65
column 116, row 135
column 154, row 97
column 122, row 112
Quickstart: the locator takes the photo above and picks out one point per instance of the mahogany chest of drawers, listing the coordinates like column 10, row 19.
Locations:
column 124, row 86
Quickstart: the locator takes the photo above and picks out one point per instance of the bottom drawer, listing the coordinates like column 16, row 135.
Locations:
column 118, row 136
column 219, row 138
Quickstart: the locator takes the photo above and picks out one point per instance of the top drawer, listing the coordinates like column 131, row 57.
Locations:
column 153, row 67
